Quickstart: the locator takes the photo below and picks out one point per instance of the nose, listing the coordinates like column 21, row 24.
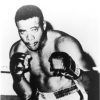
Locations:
column 30, row 37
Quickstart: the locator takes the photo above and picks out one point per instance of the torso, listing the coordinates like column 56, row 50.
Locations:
column 40, row 66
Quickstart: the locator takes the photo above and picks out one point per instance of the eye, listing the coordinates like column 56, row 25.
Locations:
column 21, row 31
column 35, row 29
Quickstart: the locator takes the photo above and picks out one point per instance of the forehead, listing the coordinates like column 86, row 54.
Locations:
column 31, row 22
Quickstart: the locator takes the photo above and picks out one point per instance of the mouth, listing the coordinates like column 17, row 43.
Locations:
column 35, row 43
column 32, row 44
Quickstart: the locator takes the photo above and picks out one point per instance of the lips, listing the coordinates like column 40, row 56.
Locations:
column 35, row 43
column 32, row 44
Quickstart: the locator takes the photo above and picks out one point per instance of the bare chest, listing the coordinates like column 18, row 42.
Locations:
column 40, row 64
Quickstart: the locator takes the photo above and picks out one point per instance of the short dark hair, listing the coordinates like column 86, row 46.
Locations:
column 29, row 11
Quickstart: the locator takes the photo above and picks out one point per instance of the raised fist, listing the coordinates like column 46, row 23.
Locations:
column 62, row 64
column 19, row 64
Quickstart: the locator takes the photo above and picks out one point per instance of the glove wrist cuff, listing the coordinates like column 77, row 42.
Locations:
column 78, row 73
column 18, row 78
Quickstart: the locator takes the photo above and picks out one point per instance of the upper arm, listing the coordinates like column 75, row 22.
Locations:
column 72, row 47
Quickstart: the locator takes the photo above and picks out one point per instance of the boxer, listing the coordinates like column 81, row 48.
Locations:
column 46, row 64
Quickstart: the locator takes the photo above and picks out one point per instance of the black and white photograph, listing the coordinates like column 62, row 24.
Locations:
column 50, row 50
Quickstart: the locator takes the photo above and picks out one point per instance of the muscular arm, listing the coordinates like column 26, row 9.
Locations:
column 22, row 87
column 72, row 47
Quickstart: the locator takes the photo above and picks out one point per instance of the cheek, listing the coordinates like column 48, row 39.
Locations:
column 23, row 37
column 39, row 35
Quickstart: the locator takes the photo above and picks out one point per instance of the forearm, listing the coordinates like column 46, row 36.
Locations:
column 23, row 89
column 84, row 80
column 18, row 69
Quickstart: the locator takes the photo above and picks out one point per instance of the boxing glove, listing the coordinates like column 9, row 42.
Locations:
column 19, row 64
column 62, row 64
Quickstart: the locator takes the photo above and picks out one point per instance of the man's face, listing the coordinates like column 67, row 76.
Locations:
column 30, row 32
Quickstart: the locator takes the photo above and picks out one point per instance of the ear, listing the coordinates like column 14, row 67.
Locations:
column 44, row 25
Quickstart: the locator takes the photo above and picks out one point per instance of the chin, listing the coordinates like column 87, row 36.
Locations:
column 33, row 48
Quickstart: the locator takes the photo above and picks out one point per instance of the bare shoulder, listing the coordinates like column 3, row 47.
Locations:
column 18, row 46
column 66, row 41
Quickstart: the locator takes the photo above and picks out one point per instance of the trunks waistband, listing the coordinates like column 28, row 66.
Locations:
column 64, row 92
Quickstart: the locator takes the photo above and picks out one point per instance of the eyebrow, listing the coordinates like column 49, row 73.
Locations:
column 34, row 27
column 20, row 30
